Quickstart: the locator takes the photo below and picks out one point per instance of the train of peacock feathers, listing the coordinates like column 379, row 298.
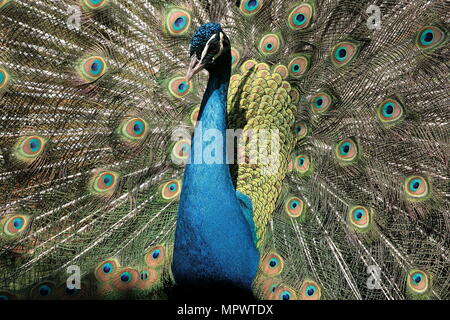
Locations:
column 97, row 118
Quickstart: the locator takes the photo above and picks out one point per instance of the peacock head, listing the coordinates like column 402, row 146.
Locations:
column 210, row 49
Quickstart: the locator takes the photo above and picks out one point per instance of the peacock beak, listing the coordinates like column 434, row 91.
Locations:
column 194, row 67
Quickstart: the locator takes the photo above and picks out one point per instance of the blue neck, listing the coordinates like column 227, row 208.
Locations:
column 213, row 240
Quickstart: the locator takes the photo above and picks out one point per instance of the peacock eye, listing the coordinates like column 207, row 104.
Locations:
column 43, row 291
column 390, row 111
column 155, row 256
column 4, row 77
column 179, row 87
column 285, row 295
column 418, row 281
column 347, row 150
column 177, row 22
column 15, row 225
column 29, row 148
column 430, row 37
column 104, row 182
column 302, row 164
column 283, row 292
column 269, row 44
column 171, row 189
column 92, row 68
column 133, row 129
column 125, row 279
column 301, row 129
column 416, row 187
column 181, row 150
column 294, row 207
column 298, row 66
column 320, row 102
column 106, row 270
column 272, row 264
column 300, row 17
column 359, row 218
column 250, row 7
column 144, row 275
column 344, row 52
column 194, row 115
column 95, row 4
column 310, row 290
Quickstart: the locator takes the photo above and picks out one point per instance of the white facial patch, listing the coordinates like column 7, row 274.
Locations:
column 205, row 50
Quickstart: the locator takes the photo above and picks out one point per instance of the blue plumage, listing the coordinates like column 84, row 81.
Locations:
column 214, row 241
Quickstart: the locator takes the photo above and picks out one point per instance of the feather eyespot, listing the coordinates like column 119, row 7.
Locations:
column 147, row 278
column 417, row 187
column 298, row 66
column 310, row 290
column 235, row 57
column 300, row 17
column 106, row 270
column 347, row 150
column 92, row 68
column 181, row 151
column 144, row 275
column 294, row 207
column 104, row 183
column 171, row 189
column 283, row 292
column 44, row 290
column 125, row 279
column 301, row 130
column 133, row 129
column 179, row 87
column 4, row 78
column 430, row 37
column 320, row 102
column 95, row 4
column 344, row 52
column 178, row 22
column 251, row 7
column 14, row 225
column 194, row 115
column 418, row 281
column 269, row 44
column 155, row 256
column 27, row 149
column 273, row 264
column 359, row 218
column 302, row 164
column 390, row 111
column 268, row 286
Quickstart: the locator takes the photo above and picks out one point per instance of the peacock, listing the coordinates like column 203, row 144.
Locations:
column 288, row 149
